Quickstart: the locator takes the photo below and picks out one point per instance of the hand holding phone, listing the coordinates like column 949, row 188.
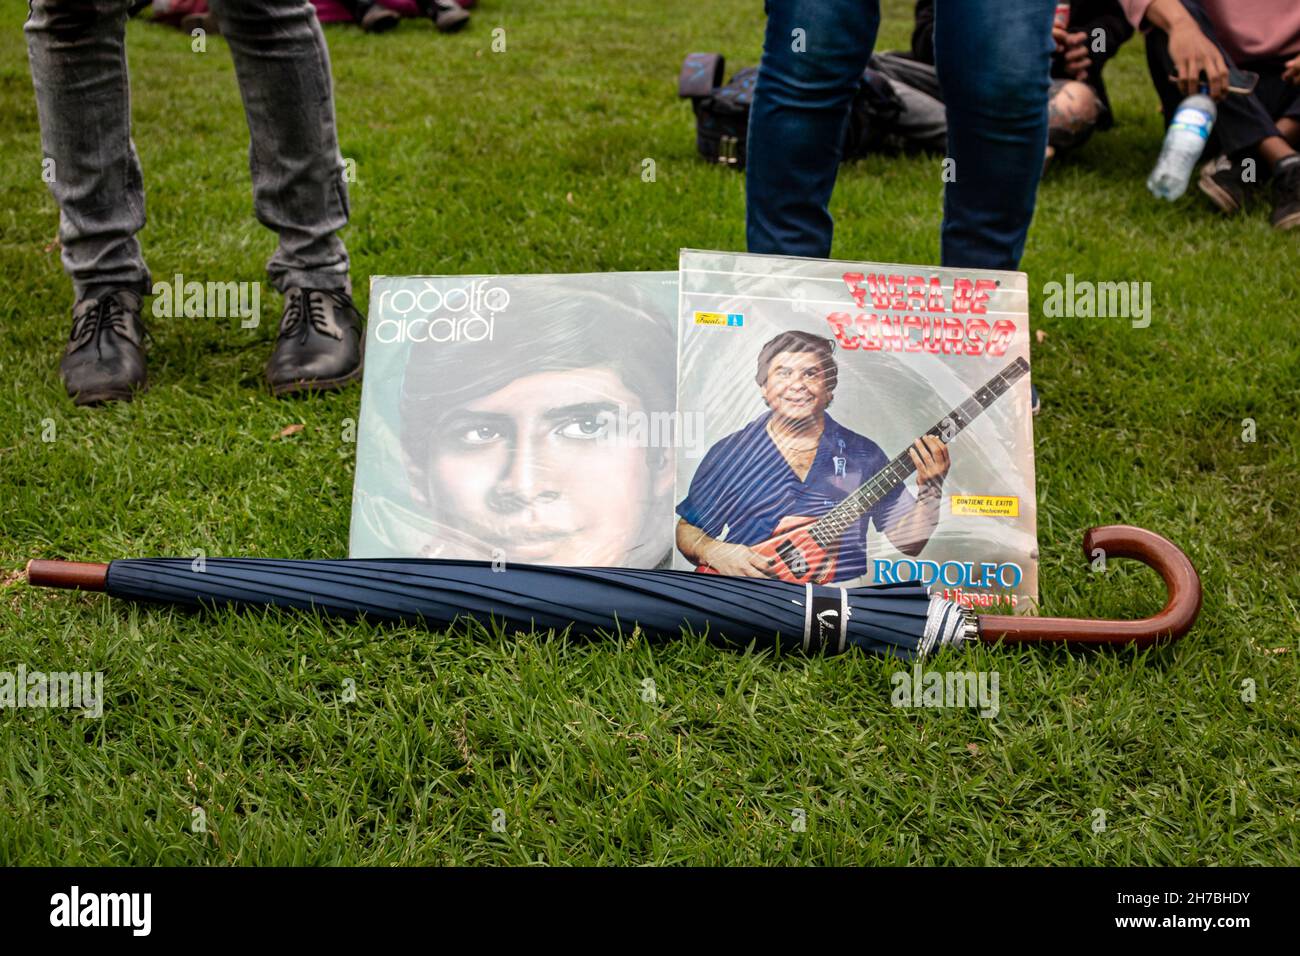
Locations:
column 1243, row 82
column 1197, row 61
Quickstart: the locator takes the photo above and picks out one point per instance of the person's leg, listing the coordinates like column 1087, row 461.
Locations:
column 284, row 78
column 1282, row 101
column 1278, row 96
column 78, row 64
column 814, row 53
column 1160, row 68
column 1289, row 127
column 283, row 69
column 924, row 121
column 994, row 60
column 77, row 55
column 1274, row 149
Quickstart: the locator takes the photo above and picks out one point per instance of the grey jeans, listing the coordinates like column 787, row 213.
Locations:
column 77, row 53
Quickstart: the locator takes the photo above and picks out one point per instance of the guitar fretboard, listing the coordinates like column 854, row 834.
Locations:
column 828, row 529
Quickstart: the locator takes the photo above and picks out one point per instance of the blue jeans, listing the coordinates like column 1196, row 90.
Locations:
column 77, row 53
column 993, row 59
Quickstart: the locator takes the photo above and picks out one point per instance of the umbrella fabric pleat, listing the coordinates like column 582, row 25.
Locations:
column 890, row 619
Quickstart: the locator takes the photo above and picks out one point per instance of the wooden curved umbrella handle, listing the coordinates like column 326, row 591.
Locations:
column 1116, row 541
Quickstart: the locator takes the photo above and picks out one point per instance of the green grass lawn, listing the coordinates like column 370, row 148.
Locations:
column 530, row 161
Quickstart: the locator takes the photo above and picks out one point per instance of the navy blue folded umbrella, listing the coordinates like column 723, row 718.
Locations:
column 902, row 620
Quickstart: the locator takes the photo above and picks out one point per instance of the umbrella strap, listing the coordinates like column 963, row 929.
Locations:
column 825, row 619
column 947, row 624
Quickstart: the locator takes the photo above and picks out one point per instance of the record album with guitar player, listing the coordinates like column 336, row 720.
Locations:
column 853, row 423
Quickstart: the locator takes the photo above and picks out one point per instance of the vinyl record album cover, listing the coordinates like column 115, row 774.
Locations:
column 518, row 418
column 856, row 423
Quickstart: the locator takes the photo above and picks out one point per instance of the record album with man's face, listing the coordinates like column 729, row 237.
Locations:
column 518, row 419
column 856, row 423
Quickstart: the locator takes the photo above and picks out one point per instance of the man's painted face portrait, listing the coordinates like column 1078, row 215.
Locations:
column 539, row 470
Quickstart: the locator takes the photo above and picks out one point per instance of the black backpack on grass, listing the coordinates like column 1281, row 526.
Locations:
column 722, row 111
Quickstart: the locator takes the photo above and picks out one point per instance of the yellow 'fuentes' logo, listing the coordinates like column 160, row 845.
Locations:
column 733, row 319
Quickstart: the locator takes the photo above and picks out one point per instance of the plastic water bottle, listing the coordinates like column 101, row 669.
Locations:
column 1184, row 143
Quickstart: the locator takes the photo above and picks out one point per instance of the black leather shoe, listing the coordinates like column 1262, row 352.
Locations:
column 104, row 360
column 320, row 343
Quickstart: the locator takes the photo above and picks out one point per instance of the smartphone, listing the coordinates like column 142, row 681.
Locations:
column 1242, row 82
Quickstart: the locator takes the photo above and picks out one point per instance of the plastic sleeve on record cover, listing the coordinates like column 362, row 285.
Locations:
column 519, row 419
column 804, row 383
